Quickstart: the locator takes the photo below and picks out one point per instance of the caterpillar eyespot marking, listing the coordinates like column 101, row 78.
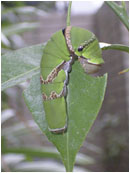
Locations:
column 80, row 48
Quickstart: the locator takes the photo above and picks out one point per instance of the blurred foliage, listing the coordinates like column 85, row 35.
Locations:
column 13, row 3
column 13, row 147
column 114, row 144
column 47, row 5
column 44, row 5
column 17, row 19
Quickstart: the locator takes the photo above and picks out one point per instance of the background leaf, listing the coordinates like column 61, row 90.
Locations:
column 19, row 28
column 27, row 10
column 4, row 40
column 120, row 11
column 45, row 152
column 20, row 65
column 85, row 96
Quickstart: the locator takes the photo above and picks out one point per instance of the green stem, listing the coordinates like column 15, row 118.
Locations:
column 106, row 46
column 68, row 14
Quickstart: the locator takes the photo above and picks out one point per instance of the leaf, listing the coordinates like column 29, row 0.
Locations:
column 24, row 10
column 124, row 71
column 120, row 11
column 19, row 28
column 84, row 100
column 7, row 114
column 4, row 40
column 20, row 65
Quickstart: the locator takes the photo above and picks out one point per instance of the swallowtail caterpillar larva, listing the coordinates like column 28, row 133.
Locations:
column 60, row 52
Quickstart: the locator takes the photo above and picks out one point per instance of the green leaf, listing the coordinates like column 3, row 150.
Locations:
column 120, row 11
column 84, row 100
column 20, row 65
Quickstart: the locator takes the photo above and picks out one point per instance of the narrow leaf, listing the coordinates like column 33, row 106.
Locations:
column 120, row 11
column 85, row 96
column 121, row 47
column 19, row 28
column 4, row 40
column 45, row 152
column 24, row 10
column 124, row 71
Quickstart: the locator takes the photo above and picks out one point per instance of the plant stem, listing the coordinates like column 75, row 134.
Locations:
column 106, row 46
column 68, row 14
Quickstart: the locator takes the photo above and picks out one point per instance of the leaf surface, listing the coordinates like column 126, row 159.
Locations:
column 20, row 65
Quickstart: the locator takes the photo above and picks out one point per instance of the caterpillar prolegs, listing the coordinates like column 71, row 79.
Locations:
column 63, row 48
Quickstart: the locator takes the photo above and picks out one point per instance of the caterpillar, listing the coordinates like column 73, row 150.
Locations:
column 60, row 52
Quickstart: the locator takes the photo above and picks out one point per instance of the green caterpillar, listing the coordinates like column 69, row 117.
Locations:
column 60, row 52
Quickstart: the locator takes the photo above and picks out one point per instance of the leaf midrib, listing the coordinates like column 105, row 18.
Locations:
column 67, row 141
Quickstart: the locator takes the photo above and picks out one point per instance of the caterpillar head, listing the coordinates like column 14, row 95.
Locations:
column 91, row 51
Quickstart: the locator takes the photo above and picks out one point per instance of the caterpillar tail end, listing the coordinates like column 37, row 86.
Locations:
column 58, row 130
